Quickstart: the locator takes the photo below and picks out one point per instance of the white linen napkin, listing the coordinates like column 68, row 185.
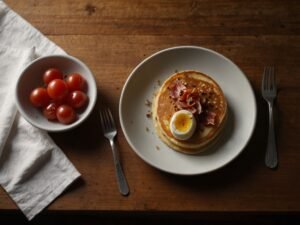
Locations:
column 33, row 169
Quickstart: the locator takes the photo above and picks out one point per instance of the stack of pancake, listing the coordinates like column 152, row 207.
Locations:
column 197, row 93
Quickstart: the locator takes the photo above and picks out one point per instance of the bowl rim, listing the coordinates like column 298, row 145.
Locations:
column 67, row 126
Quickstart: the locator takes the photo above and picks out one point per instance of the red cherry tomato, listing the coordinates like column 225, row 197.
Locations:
column 65, row 114
column 77, row 99
column 50, row 111
column 52, row 74
column 39, row 97
column 57, row 89
column 75, row 82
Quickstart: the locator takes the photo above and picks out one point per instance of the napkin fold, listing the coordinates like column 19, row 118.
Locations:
column 33, row 169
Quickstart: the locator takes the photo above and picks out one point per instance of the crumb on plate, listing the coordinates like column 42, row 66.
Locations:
column 149, row 114
column 148, row 103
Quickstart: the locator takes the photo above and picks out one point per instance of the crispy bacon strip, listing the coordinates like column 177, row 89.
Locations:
column 189, row 99
column 185, row 98
column 176, row 89
column 210, row 118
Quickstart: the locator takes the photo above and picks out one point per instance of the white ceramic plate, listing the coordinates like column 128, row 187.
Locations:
column 143, row 82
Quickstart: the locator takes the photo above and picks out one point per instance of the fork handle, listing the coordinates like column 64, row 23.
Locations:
column 122, row 183
column 271, row 153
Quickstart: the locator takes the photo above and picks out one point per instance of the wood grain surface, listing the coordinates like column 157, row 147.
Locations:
column 112, row 37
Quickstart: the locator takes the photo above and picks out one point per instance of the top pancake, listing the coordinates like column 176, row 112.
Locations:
column 209, row 122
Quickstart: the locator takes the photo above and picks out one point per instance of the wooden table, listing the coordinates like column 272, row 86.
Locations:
column 112, row 37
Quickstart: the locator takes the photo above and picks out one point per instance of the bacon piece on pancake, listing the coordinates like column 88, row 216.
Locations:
column 176, row 89
column 185, row 98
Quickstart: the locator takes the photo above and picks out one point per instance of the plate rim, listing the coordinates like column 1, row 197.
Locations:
column 176, row 48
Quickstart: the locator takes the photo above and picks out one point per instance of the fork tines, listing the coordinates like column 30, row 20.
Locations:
column 106, row 119
column 268, row 81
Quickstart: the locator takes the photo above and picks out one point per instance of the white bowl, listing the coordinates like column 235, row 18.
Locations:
column 32, row 77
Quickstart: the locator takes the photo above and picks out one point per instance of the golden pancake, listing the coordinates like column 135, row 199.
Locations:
column 197, row 93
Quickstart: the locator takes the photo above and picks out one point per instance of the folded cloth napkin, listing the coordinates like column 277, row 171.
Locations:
column 33, row 169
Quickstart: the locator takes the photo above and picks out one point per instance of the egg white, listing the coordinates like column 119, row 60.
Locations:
column 183, row 135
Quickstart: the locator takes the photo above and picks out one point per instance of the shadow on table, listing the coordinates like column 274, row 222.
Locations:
column 251, row 159
column 85, row 137
column 137, row 218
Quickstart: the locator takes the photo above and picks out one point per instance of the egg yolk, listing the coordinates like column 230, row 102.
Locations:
column 183, row 122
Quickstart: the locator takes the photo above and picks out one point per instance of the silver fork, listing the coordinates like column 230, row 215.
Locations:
column 269, row 93
column 110, row 132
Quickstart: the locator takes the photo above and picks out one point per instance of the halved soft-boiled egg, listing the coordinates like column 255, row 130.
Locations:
column 183, row 124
